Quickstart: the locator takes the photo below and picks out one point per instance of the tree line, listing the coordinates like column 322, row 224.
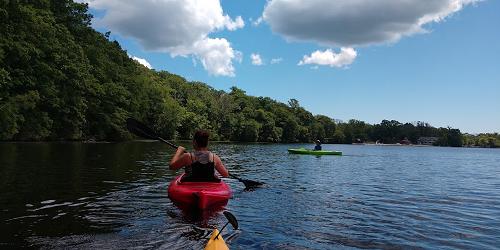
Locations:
column 62, row 80
column 390, row 132
column 483, row 140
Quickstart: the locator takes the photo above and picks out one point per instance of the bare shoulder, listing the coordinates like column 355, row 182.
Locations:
column 216, row 158
column 186, row 157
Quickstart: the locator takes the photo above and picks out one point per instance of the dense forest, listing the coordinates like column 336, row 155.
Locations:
column 62, row 80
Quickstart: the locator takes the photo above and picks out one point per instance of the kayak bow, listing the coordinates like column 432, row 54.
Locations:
column 216, row 243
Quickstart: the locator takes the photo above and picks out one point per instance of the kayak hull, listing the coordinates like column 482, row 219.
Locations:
column 216, row 244
column 313, row 152
column 201, row 195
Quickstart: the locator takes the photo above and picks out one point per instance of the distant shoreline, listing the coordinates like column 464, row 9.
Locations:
column 234, row 142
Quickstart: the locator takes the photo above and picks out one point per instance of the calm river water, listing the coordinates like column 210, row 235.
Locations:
column 75, row 195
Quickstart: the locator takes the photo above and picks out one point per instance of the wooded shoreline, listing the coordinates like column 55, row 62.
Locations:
column 60, row 80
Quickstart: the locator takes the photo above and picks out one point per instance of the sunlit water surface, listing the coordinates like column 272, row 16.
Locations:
column 75, row 195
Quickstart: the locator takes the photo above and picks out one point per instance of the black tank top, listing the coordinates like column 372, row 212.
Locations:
column 202, row 168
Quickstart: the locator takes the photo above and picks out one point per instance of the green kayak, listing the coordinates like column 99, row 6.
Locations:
column 312, row 152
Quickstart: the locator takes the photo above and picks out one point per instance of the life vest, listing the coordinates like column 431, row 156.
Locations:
column 202, row 168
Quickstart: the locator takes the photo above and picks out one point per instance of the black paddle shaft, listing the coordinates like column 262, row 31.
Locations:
column 230, row 219
column 138, row 128
column 141, row 130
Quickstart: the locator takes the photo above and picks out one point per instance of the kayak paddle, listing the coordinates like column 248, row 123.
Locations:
column 249, row 184
column 138, row 128
column 216, row 242
column 230, row 219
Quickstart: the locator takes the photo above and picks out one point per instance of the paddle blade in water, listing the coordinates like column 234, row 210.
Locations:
column 141, row 130
column 230, row 217
column 251, row 184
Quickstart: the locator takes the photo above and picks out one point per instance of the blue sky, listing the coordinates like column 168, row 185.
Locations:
column 436, row 61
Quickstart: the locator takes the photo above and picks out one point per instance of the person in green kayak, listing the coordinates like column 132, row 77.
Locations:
column 318, row 145
column 201, row 164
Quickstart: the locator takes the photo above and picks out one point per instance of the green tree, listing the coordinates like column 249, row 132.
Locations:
column 338, row 136
column 328, row 125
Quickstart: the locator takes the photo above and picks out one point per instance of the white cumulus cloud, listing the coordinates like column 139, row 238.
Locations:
column 256, row 59
column 345, row 57
column 356, row 22
column 216, row 56
column 143, row 62
column 179, row 27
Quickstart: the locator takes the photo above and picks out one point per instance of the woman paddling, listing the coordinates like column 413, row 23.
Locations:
column 201, row 164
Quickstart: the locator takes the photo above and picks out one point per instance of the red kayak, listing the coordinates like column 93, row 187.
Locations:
column 200, row 195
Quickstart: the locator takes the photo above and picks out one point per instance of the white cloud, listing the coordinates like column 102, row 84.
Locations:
column 179, row 27
column 143, row 62
column 356, row 22
column 236, row 24
column 257, row 22
column 216, row 56
column 345, row 57
column 276, row 60
column 256, row 60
